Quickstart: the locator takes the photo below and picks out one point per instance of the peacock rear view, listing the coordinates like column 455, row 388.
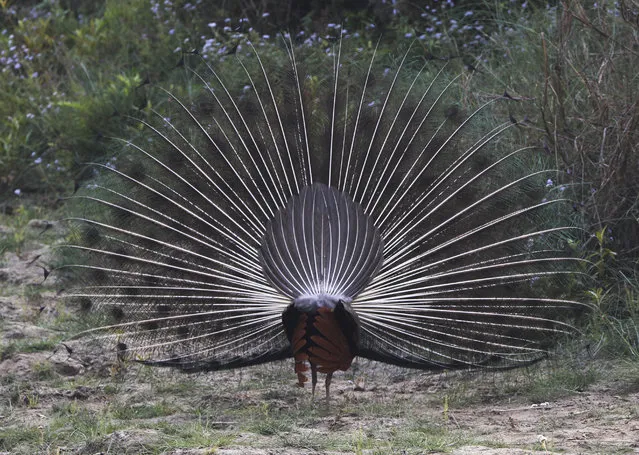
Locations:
column 322, row 218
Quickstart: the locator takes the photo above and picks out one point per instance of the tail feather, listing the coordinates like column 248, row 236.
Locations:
column 364, row 186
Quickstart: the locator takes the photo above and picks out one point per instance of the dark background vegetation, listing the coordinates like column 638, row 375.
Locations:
column 69, row 70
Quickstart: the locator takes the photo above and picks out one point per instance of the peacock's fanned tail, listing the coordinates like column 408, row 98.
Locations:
column 248, row 214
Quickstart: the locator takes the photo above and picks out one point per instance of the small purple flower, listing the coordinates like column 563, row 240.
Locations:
column 212, row 24
column 17, row 191
column 408, row 35
column 549, row 183
column 266, row 14
column 172, row 31
column 38, row 160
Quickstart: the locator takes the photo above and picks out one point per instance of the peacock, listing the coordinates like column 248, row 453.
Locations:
column 281, row 211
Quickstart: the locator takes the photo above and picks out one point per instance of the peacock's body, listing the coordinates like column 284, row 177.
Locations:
column 322, row 219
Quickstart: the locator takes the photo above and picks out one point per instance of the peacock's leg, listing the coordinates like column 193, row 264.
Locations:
column 329, row 376
column 314, row 377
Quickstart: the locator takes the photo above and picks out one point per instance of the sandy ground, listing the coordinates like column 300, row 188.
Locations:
column 257, row 411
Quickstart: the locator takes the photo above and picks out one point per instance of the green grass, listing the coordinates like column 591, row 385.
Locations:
column 125, row 411
column 550, row 385
column 43, row 371
column 29, row 345
column 21, row 439
column 17, row 233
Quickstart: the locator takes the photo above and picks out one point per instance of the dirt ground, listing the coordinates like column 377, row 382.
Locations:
column 63, row 398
